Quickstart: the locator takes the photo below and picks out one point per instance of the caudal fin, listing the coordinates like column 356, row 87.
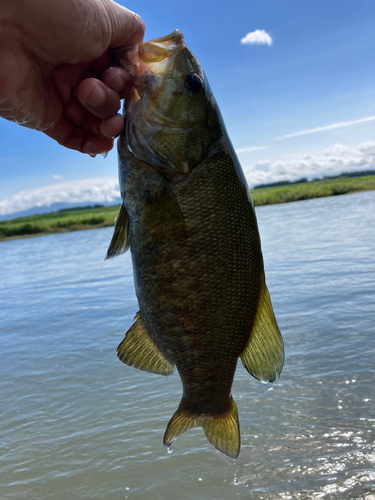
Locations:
column 222, row 431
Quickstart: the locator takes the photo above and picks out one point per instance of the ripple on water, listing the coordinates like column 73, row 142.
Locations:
column 74, row 419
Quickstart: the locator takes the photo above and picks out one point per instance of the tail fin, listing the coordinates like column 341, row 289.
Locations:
column 222, row 431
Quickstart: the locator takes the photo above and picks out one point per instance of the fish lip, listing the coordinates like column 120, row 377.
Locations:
column 176, row 34
column 139, row 59
column 139, row 88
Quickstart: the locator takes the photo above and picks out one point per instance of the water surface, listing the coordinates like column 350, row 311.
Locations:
column 75, row 421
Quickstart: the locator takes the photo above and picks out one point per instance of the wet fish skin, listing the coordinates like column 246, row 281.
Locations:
column 190, row 223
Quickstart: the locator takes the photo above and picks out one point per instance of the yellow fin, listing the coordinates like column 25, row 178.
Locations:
column 139, row 350
column 222, row 431
column 120, row 240
column 163, row 216
column 263, row 356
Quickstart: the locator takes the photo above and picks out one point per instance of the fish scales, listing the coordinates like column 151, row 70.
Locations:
column 195, row 246
column 190, row 317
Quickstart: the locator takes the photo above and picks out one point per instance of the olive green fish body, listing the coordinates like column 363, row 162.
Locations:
column 198, row 267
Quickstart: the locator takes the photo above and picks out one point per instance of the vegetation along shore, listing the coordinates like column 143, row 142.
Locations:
column 98, row 216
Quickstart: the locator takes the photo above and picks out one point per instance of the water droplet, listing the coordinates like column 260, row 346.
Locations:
column 92, row 155
column 104, row 155
column 169, row 449
column 200, row 479
column 235, row 481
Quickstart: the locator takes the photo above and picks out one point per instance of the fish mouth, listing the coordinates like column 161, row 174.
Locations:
column 161, row 49
column 155, row 57
column 149, row 59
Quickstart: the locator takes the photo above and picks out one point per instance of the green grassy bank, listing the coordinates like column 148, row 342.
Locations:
column 312, row 189
column 75, row 220
column 58, row 222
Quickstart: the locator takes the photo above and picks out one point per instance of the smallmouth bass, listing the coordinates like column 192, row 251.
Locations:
column 189, row 221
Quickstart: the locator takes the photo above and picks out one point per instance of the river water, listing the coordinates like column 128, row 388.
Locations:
column 77, row 423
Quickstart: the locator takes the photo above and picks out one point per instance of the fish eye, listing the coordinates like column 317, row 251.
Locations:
column 193, row 83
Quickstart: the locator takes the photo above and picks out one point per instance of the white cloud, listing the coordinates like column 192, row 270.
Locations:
column 327, row 127
column 334, row 160
column 331, row 161
column 97, row 190
column 57, row 177
column 251, row 148
column 257, row 37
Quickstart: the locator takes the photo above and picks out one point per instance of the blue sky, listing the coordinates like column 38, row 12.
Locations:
column 303, row 105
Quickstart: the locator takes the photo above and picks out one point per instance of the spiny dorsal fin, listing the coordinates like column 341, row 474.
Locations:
column 163, row 216
column 263, row 356
column 139, row 350
column 222, row 431
column 120, row 240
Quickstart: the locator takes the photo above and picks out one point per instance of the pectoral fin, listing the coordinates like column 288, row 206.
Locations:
column 263, row 356
column 120, row 240
column 163, row 216
column 139, row 350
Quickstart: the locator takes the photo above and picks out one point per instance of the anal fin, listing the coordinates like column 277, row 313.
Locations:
column 120, row 240
column 263, row 356
column 139, row 350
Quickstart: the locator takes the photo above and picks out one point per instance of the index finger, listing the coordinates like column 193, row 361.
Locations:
column 128, row 27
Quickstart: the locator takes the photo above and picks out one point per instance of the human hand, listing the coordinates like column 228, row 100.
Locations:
column 56, row 70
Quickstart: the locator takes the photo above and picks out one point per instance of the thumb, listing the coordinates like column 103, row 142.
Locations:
column 127, row 27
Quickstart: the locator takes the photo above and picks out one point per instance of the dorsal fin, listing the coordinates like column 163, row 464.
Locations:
column 139, row 350
column 263, row 356
column 120, row 240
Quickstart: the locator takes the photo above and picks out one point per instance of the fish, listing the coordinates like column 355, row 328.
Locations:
column 189, row 221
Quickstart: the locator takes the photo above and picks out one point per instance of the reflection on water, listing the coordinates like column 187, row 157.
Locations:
column 75, row 421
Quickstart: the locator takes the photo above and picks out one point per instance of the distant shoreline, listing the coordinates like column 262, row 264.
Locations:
column 313, row 189
column 97, row 217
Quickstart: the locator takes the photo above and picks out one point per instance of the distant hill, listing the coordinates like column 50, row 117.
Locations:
column 325, row 178
column 57, row 207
